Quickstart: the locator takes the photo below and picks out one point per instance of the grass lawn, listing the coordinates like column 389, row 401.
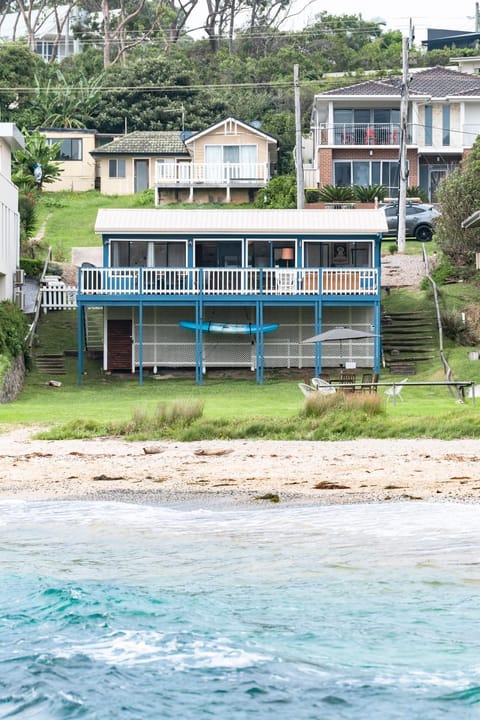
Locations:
column 105, row 404
column 231, row 407
column 68, row 218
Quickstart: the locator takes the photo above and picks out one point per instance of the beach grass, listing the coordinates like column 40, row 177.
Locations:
column 231, row 407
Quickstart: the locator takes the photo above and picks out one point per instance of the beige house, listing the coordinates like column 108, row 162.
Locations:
column 11, row 139
column 127, row 164
column 78, row 165
column 227, row 162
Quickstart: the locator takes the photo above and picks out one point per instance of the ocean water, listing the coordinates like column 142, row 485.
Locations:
column 122, row 611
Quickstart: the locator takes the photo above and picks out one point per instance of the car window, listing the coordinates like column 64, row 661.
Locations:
column 390, row 211
column 412, row 210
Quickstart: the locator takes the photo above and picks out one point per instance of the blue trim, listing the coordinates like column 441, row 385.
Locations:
column 140, row 344
column 80, row 338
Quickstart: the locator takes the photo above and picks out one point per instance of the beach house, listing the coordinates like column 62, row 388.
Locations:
column 232, row 288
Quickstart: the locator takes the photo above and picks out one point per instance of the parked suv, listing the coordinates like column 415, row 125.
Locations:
column 419, row 223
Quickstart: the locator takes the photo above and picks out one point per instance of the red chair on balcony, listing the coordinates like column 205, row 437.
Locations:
column 370, row 136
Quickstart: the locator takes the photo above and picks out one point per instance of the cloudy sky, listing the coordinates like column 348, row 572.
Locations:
column 459, row 15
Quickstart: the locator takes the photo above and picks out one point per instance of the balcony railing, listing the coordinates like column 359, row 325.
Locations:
column 188, row 173
column 360, row 134
column 112, row 282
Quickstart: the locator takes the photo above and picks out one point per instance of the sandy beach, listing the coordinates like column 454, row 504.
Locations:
column 238, row 471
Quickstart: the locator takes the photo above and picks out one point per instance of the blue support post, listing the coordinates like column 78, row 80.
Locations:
column 198, row 343
column 259, row 344
column 80, row 335
column 318, row 346
column 140, row 343
column 377, row 341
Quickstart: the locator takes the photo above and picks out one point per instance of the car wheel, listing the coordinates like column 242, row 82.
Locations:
column 423, row 233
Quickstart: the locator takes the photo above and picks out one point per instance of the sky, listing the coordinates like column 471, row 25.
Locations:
column 459, row 15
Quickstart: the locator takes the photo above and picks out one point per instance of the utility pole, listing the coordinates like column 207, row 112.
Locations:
column 298, row 143
column 403, row 163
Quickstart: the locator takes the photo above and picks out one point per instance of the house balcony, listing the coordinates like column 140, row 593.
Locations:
column 360, row 134
column 187, row 174
column 168, row 284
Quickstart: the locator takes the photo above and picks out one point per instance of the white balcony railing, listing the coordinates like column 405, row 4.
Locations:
column 360, row 134
column 188, row 173
column 108, row 282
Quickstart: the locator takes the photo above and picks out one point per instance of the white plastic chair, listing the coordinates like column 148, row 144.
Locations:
column 306, row 389
column 394, row 392
column 322, row 386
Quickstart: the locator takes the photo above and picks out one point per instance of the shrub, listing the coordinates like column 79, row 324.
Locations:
column 13, row 330
column 417, row 191
column 32, row 266
column 312, row 195
column 368, row 193
column 336, row 193
column 455, row 328
column 145, row 198
column 280, row 192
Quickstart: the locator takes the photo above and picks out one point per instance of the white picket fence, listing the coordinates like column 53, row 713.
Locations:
column 56, row 295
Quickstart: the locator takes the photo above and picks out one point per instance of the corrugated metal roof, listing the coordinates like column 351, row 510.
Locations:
column 272, row 222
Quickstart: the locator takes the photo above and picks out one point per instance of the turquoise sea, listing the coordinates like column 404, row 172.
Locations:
column 125, row 611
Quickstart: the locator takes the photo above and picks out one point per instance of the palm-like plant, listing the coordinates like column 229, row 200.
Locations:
column 58, row 104
column 37, row 152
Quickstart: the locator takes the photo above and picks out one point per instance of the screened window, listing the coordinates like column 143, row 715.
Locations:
column 116, row 168
column 140, row 253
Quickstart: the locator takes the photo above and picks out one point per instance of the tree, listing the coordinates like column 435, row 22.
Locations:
column 18, row 67
column 459, row 194
column 62, row 105
column 35, row 165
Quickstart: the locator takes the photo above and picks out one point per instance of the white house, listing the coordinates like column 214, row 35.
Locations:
column 10, row 139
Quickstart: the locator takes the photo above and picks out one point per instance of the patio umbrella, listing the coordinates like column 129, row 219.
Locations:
column 339, row 334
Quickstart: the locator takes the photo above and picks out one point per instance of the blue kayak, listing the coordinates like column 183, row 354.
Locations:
column 230, row 328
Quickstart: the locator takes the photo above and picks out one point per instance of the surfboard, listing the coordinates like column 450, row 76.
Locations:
column 229, row 328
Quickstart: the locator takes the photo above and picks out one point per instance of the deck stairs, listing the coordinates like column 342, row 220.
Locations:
column 94, row 329
column 408, row 338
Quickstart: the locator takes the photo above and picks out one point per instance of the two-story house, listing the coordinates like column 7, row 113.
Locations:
column 11, row 139
column 356, row 130
column 227, row 162
column 233, row 288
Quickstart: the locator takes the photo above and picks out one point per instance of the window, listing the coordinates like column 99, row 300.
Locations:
column 446, row 125
column 140, row 253
column 231, row 162
column 365, row 172
column 116, row 168
column 428, row 125
column 363, row 126
column 70, row 148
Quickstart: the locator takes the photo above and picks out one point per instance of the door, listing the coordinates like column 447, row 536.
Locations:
column 120, row 343
column 436, row 177
column 140, row 175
